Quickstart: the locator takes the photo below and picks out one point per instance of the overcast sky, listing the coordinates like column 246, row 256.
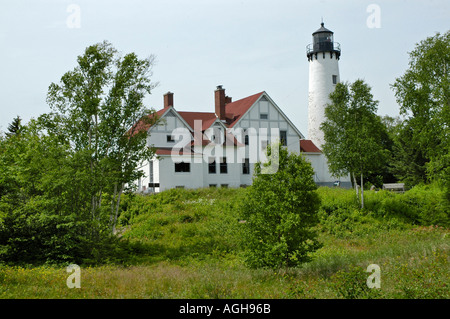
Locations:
column 248, row 46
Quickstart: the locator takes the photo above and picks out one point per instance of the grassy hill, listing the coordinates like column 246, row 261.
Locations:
column 187, row 244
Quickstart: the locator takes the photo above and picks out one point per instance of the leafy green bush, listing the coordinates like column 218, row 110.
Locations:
column 280, row 211
column 422, row 205
column 340, row 215
column 43, row 213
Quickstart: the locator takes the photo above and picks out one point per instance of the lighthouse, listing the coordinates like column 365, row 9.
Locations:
column 323, row 56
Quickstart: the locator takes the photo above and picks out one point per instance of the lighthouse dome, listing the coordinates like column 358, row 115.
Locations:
column 322, row 29
column 323, row 42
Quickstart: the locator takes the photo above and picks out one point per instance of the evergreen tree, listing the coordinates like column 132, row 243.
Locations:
column 14, row 127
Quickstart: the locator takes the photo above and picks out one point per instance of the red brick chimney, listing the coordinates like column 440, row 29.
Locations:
column 168, row 99
column 219, row 99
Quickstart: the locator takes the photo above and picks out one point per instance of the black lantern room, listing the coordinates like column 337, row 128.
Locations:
column 323, row 43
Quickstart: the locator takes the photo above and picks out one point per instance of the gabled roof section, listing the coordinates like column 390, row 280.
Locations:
column 145, row 125
column 235, row 110
column 284, row 115
column 308, row 146
column 163, row 112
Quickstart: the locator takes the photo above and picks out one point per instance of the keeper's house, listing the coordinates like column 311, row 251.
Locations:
column 220, row 149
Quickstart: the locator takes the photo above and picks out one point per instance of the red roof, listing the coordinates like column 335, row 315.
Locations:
column 207, row 118
column 235, row 110
column 309, row 147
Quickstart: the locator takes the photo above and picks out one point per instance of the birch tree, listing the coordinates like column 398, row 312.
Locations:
column 353, row 133
column 95, row 108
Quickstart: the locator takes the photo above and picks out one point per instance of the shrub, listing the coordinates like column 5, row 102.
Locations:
column 280, row 210
column 421, row 205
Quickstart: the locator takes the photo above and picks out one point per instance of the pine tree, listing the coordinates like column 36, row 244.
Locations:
column 15, row 127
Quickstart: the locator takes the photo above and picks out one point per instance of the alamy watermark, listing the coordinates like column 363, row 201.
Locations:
column 374, row 19
column 374, row 279
column 73, row 20
column 74, row 280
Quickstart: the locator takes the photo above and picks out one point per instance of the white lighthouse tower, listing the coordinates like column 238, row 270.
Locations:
column 323, row 56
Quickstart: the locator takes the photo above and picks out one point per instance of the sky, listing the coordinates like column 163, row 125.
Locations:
column 247, row 46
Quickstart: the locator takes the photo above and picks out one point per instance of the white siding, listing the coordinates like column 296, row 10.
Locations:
column 321, row 71
column 275, row 120
column 170, row 179
column 158, row 133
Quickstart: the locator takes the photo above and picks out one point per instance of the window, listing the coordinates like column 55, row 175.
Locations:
column 224, row 185
column 151, row 175
column 263, row 116
column 334, row 79
column 212, row 165
column 283, row 138
column 182, row 167
column 246, row 167
column 170, row 139
column 223, row 165
column 246, row 139
column 212, row 185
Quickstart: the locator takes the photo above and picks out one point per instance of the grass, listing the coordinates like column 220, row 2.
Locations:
column 187, row 245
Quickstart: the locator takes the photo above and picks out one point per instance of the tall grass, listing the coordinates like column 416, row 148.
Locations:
column 184, row 224
column 187, row 244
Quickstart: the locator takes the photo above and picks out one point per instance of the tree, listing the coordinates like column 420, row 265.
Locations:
column 95, row 109
column 424, row 99
column 353, row 133
column 39, row 220
column 408, row 160
column 388, row 136
column 56, row 174
column 280, row 210
column 15, row 127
